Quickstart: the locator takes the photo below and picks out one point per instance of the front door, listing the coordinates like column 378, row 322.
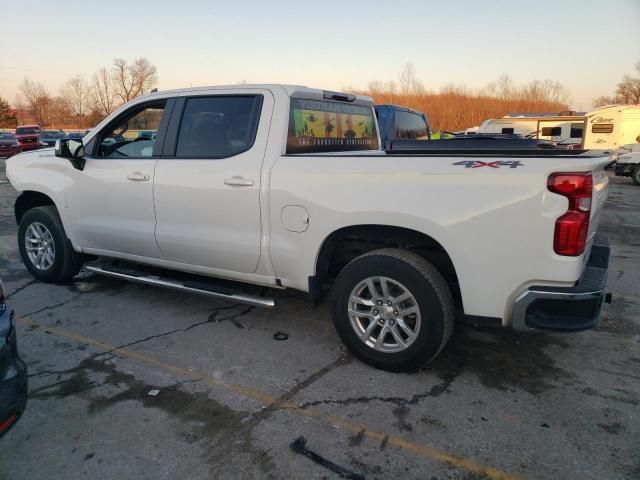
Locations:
column 207, row 189
column 110, row 201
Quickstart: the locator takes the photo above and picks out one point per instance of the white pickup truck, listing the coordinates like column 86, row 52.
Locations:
column 216, row 190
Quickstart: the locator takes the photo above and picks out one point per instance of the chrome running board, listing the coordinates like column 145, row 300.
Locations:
column 222, row 293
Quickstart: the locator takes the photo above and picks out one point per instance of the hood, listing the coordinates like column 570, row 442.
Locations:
column 8, row 143
column 27, row 135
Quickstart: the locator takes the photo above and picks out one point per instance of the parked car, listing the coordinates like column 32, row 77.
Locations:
column 75, row 136
column 627, row 162
column 13, row 371
column 9, row 145
column 28, row 136
column 151, row 134
column 288, row 187
column 48, row 137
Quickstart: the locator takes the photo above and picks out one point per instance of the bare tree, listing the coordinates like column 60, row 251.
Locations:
column 76, row 93
column 505, row 88
column 604, row 101
column 409, row 83
column 133, row 80
column 628, row 90
column 104, row 93
column 20, row 109
column 37, row 98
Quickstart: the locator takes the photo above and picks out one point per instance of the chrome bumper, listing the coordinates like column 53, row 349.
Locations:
column 567, row 309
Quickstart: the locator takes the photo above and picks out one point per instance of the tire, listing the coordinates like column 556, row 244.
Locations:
column 429, row 326
column 635, row 174
column 61, row 262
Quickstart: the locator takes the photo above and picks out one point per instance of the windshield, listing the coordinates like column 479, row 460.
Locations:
column 7, row 136
column 27, row 131
column 52, row 134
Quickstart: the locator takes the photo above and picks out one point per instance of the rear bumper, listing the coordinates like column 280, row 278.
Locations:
column 13, row 382
column 567, row 309
column 29, row 146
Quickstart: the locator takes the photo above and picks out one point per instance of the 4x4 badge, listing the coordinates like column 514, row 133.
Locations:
column 496, row 164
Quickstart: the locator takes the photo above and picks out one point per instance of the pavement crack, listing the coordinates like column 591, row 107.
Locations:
column 239, row 433
column 51, row 307
column 21, row 288
column 213, row 318
column 402, row 404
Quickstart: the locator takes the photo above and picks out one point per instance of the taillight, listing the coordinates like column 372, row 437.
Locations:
column 570, row 236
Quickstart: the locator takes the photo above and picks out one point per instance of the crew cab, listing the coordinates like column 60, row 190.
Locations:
column 287, row 187
column 28, row 136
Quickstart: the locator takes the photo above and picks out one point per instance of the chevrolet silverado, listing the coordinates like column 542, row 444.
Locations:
column 252, row 186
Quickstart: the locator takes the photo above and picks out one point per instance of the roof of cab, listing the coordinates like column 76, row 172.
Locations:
column 290, row 90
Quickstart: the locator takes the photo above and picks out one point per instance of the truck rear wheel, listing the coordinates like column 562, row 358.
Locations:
column 44, row 247
column 635, row 174
column 392, row 309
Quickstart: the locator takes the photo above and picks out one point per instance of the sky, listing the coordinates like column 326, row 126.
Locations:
column 586, row 45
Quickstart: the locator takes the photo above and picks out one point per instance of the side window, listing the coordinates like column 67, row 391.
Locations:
column 551, row 131
column 576, row 130
column 218, row 126
column 411, row 126
column 133, row 135
column 508, row 131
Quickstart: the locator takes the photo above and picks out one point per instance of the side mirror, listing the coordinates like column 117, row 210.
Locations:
column 72, row 150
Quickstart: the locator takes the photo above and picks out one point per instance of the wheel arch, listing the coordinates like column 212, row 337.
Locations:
column 29, row 199
column 346, row 243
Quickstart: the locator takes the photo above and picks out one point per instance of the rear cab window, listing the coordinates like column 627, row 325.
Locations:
column 411, row 126
column 320, row 126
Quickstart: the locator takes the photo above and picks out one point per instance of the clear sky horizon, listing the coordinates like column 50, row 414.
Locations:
column 587, row 46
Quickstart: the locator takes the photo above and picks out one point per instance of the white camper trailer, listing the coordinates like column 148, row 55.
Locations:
column 611, row 127
column 563, row 129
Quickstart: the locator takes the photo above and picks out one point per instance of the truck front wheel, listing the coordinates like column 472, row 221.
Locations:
column 392, row 309
column 635, row 174
column 44, row 247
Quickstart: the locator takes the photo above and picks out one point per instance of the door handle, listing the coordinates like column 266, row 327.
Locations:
column 238, row 181
column 137, row 177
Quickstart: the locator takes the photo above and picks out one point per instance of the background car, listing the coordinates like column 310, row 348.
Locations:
column 13, row 371
column 48, row 138
column 9, row 145
column 28, row 136
column 75, row 136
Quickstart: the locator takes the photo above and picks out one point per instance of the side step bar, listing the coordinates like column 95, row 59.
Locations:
column 199, row 288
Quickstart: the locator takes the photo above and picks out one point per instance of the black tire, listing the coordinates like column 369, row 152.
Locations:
column 67, row 262
column 428, row 287
column 635, row 174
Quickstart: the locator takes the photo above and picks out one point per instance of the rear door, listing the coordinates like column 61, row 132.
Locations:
column 207, row 183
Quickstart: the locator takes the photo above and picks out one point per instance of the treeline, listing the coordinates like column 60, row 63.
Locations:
column 80, row 102
column 627, row 91
column 456, row 107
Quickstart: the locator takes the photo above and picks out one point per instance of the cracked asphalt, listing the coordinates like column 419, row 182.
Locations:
column 133, row 382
